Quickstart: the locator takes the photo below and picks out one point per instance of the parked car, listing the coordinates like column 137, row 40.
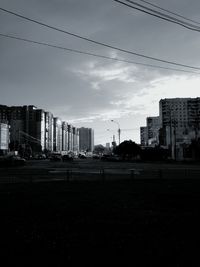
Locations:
column 82, row 156
column 56, row 157
column 67, row 158
column 40, row 156
column 110, row 158
column 96, row 157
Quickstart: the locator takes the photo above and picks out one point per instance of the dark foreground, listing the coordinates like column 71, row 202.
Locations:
column 136, row 223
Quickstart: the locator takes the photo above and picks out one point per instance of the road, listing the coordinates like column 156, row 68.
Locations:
column 127, row 222
column 90, row 169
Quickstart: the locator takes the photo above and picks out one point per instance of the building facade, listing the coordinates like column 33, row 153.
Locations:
column 48, row 131
column 64, row 136
column 37, row 130
column 180, row 119
column 86, row 139
column 153, row 127
column 4, row 137
column 57, row 134
column 144, row 135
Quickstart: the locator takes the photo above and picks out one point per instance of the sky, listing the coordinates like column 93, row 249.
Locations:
column 88, row 91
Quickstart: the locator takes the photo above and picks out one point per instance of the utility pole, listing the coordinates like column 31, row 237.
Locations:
column 119, row 130
column 170, row 116
column 174, row 124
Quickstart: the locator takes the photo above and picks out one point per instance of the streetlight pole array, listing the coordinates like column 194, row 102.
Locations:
column 119, row 130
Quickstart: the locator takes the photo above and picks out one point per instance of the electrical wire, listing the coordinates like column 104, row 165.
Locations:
column 161, row 16
column 92, row 54
column 97, row 42
column 169, row 11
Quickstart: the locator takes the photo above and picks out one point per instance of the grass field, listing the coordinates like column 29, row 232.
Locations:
column 132, row 222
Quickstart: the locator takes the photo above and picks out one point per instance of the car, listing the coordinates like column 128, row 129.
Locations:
column 96, row 157
column 67, row 158
column 82, row 156
column 40, row 156
column 113, row 158
column 56, row 157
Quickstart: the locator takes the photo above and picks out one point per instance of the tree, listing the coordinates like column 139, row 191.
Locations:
column 128, row 150
column 99, row 149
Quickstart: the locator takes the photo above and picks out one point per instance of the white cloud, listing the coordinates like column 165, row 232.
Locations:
column 113, row 71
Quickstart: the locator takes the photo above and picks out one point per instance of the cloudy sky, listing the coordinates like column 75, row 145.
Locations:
column 89, row 91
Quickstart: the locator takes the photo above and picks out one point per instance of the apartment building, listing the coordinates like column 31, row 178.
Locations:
column 144, row 135
column 86, row 139
column 180, row 120
column 153, row 127
column 4, row 137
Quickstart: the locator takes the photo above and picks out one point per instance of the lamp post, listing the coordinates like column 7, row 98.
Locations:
column 119, row 130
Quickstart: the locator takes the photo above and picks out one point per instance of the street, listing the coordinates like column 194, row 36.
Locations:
column 92, row 169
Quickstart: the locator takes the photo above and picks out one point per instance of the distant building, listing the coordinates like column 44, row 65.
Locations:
column 86, row 139
column 4, row 137
column 153, row 127
column 57, row 134
column 48, row 131
column 35, row 130
column 144, row 136
column 64, row 136
column 75, row 140
column 180, row 119
column 70, row 134
column 108, row 145
column 27, row 126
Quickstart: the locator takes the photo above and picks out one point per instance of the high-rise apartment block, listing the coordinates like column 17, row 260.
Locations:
column 153, row 127
column 149, row 134
column 180, row 119
column 37, row 129
column 4, row 137
column 64, row 136
column 57, row 134
column 177, row 125
column 86, row 139
column 49, row 131
column 144, row 136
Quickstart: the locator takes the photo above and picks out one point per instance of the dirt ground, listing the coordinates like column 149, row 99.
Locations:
column 130, row 222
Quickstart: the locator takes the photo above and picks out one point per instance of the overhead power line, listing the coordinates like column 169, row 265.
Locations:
column 159, row 15
column 92, row 54
column 170, row 12
column 97, row 42
column 163, row 15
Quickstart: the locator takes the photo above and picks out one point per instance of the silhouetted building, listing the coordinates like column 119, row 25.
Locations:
column 144, row 136
column 153, row 127
column 86, row 139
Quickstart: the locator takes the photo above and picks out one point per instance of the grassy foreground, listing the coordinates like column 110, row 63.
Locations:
column 136, row 223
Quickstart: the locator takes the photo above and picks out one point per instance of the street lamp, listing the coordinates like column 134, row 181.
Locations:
column 113, row 135
column 119, row 131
